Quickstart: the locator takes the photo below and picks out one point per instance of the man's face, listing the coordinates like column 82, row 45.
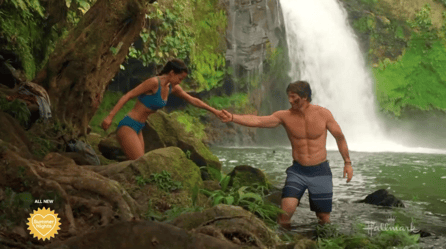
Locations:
column 295, row 100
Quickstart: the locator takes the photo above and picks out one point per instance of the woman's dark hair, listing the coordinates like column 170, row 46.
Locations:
column 177, row 65
column 301, row 88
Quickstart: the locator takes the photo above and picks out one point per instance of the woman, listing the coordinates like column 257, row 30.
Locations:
column 152, row 95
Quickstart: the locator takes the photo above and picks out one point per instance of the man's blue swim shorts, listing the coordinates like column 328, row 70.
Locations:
column 318, row 180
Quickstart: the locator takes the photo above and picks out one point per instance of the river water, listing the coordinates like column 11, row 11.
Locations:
column 418, row 179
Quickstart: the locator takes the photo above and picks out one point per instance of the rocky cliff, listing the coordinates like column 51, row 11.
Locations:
column 253, row 25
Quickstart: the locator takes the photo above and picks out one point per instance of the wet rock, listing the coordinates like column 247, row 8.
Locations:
column 382, row 197
column 422, row 233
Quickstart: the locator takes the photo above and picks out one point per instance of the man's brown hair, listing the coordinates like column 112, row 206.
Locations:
column 301, row 88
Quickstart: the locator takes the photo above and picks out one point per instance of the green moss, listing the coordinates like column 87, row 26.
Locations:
column 174, row 161
column 191, row 125
column 23, row 29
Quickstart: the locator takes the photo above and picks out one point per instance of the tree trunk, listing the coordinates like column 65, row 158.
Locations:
column 82, row 65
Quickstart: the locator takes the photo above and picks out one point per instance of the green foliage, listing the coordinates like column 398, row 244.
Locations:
column 191, row 30
column 17, row 109
column 42, row 146
column 365, row 24
column 27, row 7
column 239, row 101
column 172, row 38
column 76, row 9
column 109, row 100
column 162, row 180
column 11, row 203
column 21, row 25
column 170, row 214
column 422, row 20
column 207, row 56
column 248, row 197
column 417, row 80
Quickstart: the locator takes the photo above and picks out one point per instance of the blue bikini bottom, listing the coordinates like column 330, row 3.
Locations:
column 130, row 122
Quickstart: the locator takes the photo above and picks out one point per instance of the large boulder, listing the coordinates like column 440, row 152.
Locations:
column 231, row 223
column 11, row 132
column 163, row 131
column 171, row 159
column 382, row 197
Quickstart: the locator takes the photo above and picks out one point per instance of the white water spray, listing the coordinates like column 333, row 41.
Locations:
column 323, row 50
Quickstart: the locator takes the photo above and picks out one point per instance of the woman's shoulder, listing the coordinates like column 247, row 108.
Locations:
column 151, row 84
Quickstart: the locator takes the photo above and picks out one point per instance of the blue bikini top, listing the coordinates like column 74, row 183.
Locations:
column 154, row 101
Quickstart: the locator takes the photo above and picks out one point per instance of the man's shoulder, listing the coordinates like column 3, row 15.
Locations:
column 320, row 110
column 280, row 113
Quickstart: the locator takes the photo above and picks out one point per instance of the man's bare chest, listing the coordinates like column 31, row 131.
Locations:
column 305, row 127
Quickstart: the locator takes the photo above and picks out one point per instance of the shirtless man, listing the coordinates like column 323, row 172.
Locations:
column 306, row 125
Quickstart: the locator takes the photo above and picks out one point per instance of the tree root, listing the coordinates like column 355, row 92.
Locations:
column 76, row 185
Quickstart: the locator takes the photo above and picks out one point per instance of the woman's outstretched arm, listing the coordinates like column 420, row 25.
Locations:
column 178, row 91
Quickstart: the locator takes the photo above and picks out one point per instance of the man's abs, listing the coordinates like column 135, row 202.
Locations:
column 309, row 152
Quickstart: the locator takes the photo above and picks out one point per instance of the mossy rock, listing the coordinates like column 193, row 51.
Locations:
column 247, row 175
column 162, row 130
column 174, row 161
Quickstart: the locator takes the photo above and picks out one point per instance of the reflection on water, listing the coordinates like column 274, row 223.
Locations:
column 419, row 180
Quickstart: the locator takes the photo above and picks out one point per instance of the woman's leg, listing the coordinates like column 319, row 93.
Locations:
column 130, row 142
column 141, row 139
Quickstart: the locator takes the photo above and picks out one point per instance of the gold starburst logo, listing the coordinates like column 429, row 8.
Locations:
column 43, row 223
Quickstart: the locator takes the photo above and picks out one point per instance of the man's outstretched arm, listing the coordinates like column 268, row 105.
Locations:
column 252, row 120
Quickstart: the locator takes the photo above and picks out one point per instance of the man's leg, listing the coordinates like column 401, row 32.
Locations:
column 289, row 205
column 323, row 218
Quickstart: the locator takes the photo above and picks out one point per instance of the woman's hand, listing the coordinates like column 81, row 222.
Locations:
column 226, row 116
column 106, row 123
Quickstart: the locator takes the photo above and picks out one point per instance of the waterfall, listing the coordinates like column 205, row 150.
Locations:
column 323, row 51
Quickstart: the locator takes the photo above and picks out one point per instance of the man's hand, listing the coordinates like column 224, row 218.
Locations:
column 226, row 116
column 219, row 114
column 349, row 171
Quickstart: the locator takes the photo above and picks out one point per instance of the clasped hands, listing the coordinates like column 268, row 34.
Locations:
column 225, row 116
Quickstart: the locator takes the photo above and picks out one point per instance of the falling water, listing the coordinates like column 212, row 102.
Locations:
column 323, row 50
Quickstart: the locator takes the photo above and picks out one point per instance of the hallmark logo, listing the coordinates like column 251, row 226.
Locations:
column 388, row 226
